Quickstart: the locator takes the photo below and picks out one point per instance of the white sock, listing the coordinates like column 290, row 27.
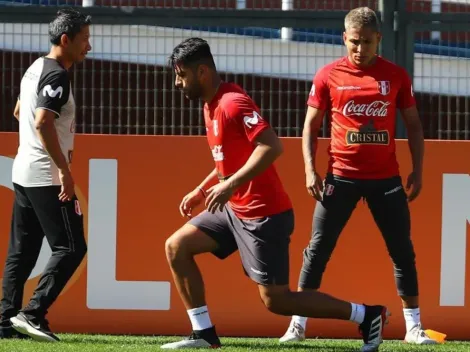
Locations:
column 358, row 311
column 302, row 321
column 412, row 317
column 199, row 317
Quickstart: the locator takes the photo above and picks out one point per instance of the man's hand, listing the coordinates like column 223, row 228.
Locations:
column 314, row 185
column 218, row 195
column 68, row 188
column 416, row 183
column 416, row 144
column 16, row 112
column 190, row 202
column 312, row 126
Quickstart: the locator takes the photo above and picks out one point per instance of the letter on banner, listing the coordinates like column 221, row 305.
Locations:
column 103, row 290
column 455, row 214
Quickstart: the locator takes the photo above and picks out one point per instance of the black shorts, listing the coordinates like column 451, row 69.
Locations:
column 263, row 243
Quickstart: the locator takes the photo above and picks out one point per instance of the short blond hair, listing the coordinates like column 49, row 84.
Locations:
column 362, row 17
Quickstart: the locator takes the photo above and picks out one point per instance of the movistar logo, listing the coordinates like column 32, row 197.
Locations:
column 51, row 92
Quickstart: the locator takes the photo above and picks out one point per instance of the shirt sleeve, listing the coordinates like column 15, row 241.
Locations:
column 319, row 96
column 53, row 91
column 244, row 112
column 405, row 96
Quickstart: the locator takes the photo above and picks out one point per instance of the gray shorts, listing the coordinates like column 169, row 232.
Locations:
column 263, row 243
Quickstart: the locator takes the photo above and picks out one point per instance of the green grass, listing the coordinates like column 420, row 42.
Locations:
column 88, row 343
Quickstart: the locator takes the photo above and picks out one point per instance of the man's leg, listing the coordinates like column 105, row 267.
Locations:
column 314, row 304
column 388, row 203
column 264, row 250
column 330, row 217
column 62, row 223
column 206, row 233
column 23, row 250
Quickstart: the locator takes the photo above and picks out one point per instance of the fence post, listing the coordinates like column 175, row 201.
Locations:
column 387, row 10
column 402, row 56
column 286, row 33
column 241, row 4
column 436, row 8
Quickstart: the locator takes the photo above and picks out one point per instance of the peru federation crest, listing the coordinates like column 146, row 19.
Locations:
column 384, row 87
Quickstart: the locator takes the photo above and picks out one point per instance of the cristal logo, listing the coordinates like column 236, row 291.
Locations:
column 377, row 108
column 217, row 153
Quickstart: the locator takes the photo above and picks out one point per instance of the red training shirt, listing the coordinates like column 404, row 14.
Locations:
column 362, row 105
column 232, row 123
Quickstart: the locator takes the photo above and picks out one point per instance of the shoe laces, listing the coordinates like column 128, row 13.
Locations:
column 422, row 333
column 296, row 328
column 419, row 331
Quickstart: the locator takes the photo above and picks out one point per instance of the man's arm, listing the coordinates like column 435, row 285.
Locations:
column 44, row 123
column 16, row 112
column 268, row 149
column 407, row 104
column 53, row 94
column 415, row 138
column 208, row 182
column 312, row 125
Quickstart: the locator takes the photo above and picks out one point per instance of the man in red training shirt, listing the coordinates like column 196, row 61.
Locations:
column 247, row 209
column 362, row 92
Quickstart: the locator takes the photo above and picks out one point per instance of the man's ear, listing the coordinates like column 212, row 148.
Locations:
column 64, row 40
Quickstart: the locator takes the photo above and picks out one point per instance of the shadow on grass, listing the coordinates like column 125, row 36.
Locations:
column 117, row 339
column 229, row 343
column 291, row 347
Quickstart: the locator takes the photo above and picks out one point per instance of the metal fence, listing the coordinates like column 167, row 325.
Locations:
column 209, row 4
column 124, row 86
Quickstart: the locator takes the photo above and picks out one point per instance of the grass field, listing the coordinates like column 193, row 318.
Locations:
column 88, row 343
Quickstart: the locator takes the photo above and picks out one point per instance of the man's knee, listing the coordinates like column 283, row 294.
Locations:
column 174, row 246
column 402, row 252
column 187, row 242
column 318, row 253
column 276, row 299
column 178, row 246
column 78, row 252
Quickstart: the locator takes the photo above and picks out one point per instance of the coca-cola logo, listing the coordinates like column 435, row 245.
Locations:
column 377, row 108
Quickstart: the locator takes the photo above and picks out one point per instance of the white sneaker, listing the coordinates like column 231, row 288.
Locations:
column 196, row 343
column 206, row 338
column 295, row 333
column 419, row 337
column 37, row 329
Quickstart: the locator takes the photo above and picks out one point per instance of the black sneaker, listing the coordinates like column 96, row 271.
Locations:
column 38, row 330
column 206, row 338
column 372, row 327
column 7, row 332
